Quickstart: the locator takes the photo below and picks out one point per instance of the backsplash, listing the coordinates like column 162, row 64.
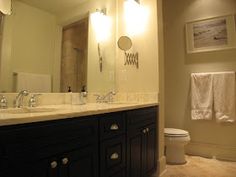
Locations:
column 72, row 98
column 128, row 97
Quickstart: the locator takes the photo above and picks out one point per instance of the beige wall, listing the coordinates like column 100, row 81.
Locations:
column 28, row 43
column 207, row 137
column 145, row 78
column 161, row 157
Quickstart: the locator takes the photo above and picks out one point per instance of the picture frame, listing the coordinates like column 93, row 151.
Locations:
column 211, row 34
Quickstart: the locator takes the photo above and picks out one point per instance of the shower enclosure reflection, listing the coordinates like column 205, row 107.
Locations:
column 74, row 56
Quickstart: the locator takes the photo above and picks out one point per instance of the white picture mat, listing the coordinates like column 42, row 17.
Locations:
column 221, row 28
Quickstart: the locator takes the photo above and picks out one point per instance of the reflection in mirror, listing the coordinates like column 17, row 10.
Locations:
column 74, row 56
column 49, row 45
column 124, row 43
column 5, row 7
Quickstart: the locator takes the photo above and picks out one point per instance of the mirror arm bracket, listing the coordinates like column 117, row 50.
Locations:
column 132, row 59
column 100, row 58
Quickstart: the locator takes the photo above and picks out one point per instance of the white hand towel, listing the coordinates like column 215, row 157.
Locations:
column 201, row 96
column 224, row 96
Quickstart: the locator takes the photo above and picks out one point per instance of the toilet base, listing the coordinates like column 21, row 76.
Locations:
column 175, row 154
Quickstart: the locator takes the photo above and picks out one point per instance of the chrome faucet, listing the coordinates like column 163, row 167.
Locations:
column 20, row 97
column 107, row 98
column 3, row 102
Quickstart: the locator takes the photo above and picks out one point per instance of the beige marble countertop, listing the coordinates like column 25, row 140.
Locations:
column 11, row 116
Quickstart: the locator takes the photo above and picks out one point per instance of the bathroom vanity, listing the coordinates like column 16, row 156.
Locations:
column 110, row 142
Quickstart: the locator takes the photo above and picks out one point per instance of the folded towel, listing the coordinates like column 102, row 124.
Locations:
column 224, row 96
column 201, row 96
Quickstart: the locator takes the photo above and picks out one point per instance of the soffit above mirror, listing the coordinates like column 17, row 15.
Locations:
column 54, row 6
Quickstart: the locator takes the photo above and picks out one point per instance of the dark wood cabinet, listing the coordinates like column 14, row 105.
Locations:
column 50, row 149
column 81, row 162
column 77, row 163
column 113, row 145
column 141, row 142
column 119, row 144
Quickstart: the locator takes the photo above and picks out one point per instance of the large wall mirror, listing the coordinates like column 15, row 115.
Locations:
column 50, row 45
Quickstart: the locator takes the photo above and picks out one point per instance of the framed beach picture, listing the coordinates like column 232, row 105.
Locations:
column 218, row 33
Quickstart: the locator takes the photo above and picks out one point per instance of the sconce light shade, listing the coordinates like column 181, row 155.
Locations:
column 5, row 7
column 136, row 17
column 101, row 25
column 137, row 1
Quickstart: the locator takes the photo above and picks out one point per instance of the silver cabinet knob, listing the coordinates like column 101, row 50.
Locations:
column 65, row 161
column 114, row 156
column 53, row 164
column 144, row 131
column 147, row 129
column 114, row 127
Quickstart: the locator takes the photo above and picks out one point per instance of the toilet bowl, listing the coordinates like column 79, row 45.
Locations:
column 175, row 140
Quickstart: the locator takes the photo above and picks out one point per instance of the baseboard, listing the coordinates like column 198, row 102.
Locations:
column 211, row 151
column 162, row 166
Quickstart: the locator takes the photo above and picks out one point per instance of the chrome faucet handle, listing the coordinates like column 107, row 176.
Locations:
column 3, row 102
column 33, row 100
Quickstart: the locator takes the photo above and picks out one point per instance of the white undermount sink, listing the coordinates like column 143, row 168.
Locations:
column 27, row 110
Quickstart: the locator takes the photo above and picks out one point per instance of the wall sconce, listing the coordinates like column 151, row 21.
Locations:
column 135, row 17
column 102, row 27
column 125, row 43
column 6, row 7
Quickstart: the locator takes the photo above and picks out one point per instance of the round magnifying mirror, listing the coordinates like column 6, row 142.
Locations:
column 124, row 43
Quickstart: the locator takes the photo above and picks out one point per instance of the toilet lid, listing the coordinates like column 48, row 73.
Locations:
column 175, row 132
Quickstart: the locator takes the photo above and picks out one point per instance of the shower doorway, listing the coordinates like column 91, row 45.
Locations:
column 74, row 56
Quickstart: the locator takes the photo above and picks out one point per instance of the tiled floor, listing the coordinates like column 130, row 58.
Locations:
column 202, row 167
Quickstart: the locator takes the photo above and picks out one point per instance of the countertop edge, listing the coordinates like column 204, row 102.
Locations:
column 67, row 113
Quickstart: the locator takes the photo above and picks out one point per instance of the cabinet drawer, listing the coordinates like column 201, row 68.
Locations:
column 113, row 155
column 37, row 140
column 142, row 116
column 112, row 124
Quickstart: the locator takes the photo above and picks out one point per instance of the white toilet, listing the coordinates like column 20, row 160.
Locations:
column 175, row 140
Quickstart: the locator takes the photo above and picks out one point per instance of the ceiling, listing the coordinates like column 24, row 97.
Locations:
column 54, row 6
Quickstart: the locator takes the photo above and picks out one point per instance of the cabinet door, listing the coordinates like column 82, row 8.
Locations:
column 80, row 163
column 34, row 169
column 43, row 168
column 135, row 153
column 141, row 142
column 150, row 150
